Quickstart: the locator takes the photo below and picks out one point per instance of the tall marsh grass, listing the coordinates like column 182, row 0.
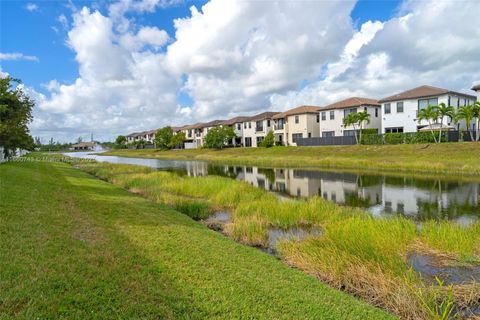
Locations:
column 355, row 252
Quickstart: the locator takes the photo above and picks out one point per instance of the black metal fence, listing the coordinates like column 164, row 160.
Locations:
column 389, row 138
column 326, row 141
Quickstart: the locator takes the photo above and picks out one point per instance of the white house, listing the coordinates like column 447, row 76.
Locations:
column 237, row 125
column 476, row 88
column 255, row 128
column 331, row 116
column 399, row 112
column 299, row 122
column 147, row 136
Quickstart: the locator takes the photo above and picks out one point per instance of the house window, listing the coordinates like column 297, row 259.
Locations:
column 328, row 134
column 376, row 112
column 296, row 136
column 386, row 108
column 423, row 103
column 348, row 111
column 334, row 196
column 239, row 126
column 399, row 107
column 318, row 118
column 268, row 123
column 309, row 134
column 248, row 143
column 244, row 125
column 259, row 126
column 249, row 125
column 280, row 124
column 332, row 115
column 348, row 133
column 394, row 130
column 324, row 116
column 296, row 119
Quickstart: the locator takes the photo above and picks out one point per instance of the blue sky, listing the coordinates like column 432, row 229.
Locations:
column 129, row 68
column 44, row 36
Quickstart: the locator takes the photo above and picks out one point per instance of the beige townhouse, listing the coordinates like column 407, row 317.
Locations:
column 299, row 122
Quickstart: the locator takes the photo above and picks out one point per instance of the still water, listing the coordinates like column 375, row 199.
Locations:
column 382, row 195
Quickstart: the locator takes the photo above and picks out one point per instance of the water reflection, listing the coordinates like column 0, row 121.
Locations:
column 382, row 195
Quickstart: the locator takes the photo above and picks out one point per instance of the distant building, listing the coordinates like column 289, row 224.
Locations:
column 255, row 128
column 84, row 146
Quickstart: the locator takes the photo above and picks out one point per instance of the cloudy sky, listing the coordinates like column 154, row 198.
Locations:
column 110, row 68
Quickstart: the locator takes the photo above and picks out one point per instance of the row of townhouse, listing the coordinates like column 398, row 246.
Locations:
column 396, row 113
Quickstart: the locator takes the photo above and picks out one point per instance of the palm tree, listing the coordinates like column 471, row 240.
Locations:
column 476, row 109
column 362, row 117
column 429, row 113
column 467, row 113
column 444, row 111
column 351, row 120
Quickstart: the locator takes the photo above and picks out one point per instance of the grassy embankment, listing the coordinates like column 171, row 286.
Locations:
column 75, row 247
column 445, row 158
column 362, row 255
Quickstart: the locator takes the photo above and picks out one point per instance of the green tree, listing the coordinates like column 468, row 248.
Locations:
column 178, row 139
column 120, row 142
column 362, row 118
column 444, row 111
column 163, row 138
column 219, row 137
column 15, row 115
column 269, row 140
column 429, row 113
column 476, row 109
column 351, row 119
column 467, row 114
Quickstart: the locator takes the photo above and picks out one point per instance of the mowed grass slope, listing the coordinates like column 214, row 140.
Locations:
column 73, row 247
column 459, row 158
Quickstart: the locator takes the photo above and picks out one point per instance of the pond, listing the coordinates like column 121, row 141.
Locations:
column 382, row 195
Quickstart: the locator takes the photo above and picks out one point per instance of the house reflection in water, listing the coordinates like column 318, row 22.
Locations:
column 381, row 195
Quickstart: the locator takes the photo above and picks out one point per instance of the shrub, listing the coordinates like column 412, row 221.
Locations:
column 393, row 138
column 269, row 140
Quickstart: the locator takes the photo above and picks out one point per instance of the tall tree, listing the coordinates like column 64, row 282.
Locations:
column 476, row 110
column 430, row 114
column 467, row 114
column 163, row 138
column 15, row 115
column 444, row 111
column 362, row 118
column 219, row 137
column 351, row 120
column 178, row 139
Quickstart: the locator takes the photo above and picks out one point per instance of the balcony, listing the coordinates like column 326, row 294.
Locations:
column 259, row 129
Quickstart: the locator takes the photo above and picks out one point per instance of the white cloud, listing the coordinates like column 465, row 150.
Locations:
column 31, row 7
column 63, row 21
column 239, row 57
column 429, row 43
column 17, row 56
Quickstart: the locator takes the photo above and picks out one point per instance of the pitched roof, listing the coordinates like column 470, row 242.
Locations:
column 262, row 116
column 212, row 123
column 422, row 91
column 476, row 87
column 231, row 121
column 297, row 110
column 351, row 102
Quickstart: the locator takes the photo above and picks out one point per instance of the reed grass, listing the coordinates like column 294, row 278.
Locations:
column 356, row 252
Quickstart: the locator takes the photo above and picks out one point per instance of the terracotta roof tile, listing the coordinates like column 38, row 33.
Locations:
column 351, row 102
column 420, row 92
column 297, row 110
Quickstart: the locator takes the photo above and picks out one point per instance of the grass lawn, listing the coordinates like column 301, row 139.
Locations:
column 75, row 247
column 360, row 254
column 457, row 158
